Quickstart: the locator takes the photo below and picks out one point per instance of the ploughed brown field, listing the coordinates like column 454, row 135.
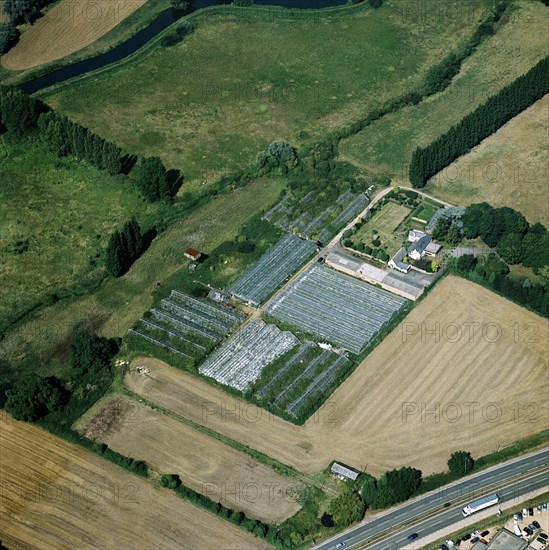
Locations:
column 67, row 27
column 57, row 495
column 465, row 370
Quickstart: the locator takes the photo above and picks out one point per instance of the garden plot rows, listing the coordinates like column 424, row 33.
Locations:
column 343, row 310
column 321, row 224
column 272, row 269
column 302, row 374
column 186, row 326
column 240, row 360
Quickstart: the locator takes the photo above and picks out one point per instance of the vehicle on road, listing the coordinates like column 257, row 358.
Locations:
column 413, row 536
column 340, row 545
column 480, row 504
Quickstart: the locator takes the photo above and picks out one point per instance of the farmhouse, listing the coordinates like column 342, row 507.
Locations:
column 417, row 250
column 396, row 262
column 344, row 472
column 192, row 254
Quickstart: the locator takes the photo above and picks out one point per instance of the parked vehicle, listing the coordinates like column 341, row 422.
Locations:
column 517, row 530
column 520, row 516
column 484, row 541
column 532, row 527
column 525, row 512
column 476, row 533
column 474, row 539
column 529, row 531
column 539, row 508
column 536, row 524
column 413, row 536
column 545, row 506
column 531, row 511
column 544, row 535
column 466, row 537
column 484, row 533
column 543, row 541
column 524, row 533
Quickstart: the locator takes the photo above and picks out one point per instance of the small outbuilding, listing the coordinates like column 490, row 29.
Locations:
column 192, row 254
column 344, row 472
column 397, row 261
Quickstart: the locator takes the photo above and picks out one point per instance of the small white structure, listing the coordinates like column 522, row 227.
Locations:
column 396, row 262
column 344, row 472
column 414, row 235
column 432, row 249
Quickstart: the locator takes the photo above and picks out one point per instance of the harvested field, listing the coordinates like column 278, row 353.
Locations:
column 362, row 423
column 56, row 495
column 510, row 168
column 67, row 27
column 203, row 463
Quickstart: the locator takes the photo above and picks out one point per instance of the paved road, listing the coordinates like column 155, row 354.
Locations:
column 470, row 488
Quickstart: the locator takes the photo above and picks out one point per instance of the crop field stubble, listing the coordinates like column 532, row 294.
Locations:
column 386, row 146
column 378, row 418
column 290, row 77
column 65, row 28
column 204, row 464
column 58, row 496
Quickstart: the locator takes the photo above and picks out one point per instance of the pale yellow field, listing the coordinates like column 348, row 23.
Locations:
column 374, row 420
column 510, row 168
column 203, row 463
column 67, row 27
column 56, row 495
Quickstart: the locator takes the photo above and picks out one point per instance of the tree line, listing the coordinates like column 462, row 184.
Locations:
column 125, row 246
column 479, row 124
column 23, row 116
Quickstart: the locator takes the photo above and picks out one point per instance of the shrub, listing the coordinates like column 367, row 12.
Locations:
column 375, row 3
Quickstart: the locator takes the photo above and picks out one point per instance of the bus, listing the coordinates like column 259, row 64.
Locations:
column 480, row 504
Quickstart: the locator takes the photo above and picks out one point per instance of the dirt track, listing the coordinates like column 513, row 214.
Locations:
column 483, row 394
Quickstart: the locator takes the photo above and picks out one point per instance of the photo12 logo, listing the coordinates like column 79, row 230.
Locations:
column 470, row 412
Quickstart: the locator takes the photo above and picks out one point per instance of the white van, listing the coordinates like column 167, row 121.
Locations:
column 517, row 530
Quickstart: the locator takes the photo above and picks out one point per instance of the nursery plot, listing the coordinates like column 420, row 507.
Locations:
column 240, row 360
column 343, row 310
column 186, row 326
column 272, row 269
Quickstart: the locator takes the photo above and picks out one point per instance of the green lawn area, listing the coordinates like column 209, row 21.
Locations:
column 56, row 216
column 386, row 146
column 424, row 211
column 384, row 222
column 112, row 308
column 242, row 80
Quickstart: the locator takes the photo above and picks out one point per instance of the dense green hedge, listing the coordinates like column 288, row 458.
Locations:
column 481, row 123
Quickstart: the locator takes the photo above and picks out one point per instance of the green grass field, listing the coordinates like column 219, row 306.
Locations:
column 386, row 146
column 56, row 216
column 115, row 306
column 384, row 222
column 243, row 79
